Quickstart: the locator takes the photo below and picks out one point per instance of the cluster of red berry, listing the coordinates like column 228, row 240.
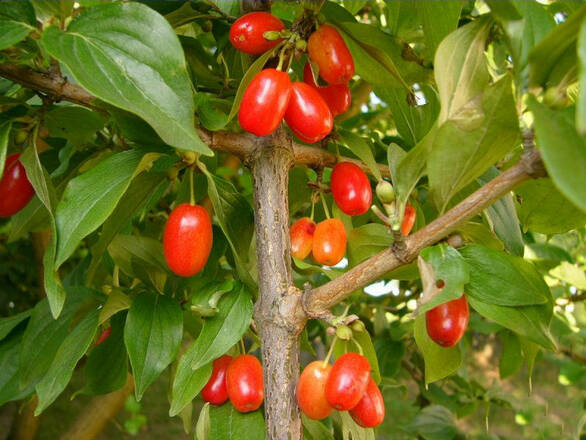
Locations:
column 308, row 108
column 347, row 385
column 238, row 379
column 15, row 189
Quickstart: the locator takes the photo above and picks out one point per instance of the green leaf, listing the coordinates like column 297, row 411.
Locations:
column 9, row 323
column 361, row 148
column 545, row 210
column 69, row 353
column 315, row 430
column 107, row 365
column 571, row 274
column 563, row 151
column 349, row 428
column 109, row 54
column 502, row 279
column 435, row 422
column 529, row 321
column 152, row 335
column 502, row 218
column 363, row 338
column 460, row 67
column 212, row 112
column 10, row 388
column 4, row 137
column 547, row 55
column 581, row 102
column 546, row 256
column 188, row 383
column 228, row 424
column 446, row 264
column 367, row 240
column 203, row 428
column 474, row 137
column 511, row 359
column 90, row 198
column 76, row 124
column 17, row 21
column 439, row 361
column 224, row 329
column 395, row 155
column 116, row 302
column 439, row 19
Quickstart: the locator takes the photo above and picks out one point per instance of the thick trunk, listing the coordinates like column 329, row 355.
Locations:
column 279, row 325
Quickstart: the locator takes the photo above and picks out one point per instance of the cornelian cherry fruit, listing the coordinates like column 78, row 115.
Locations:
column 244, row 382
column 308, row 115
column 408, row 220
column 187, row 240
column 311, row 387
column 105, row 335
column 447, row 323
column 215, row 391
column 348, row 381
column 327, row 48
column 301, row 235
column 337, row 96
column 264, row 102
column 329, row 242
column 15, row 189
column 370, row 411
column 351, row 188
column 247, row 33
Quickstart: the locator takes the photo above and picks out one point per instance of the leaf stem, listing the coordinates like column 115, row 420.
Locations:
column 242, row 347
column 191, row 192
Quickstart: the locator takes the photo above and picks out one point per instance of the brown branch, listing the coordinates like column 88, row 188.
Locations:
column 577, row 298
column 322, row 298
column 241, row 145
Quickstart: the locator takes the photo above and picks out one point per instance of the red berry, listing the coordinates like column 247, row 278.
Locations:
column 329, row 242
column 308, row 115
column 301, row 234
column 327, row 48
column 245, row 383
column 15, row 189
column 408, row 219
column 370, row 411
column 311, row 387
column 337, row 96
column 105, row 335
column 447, row 322
column 351, row 188
column 264, row 102
column 347, row 381
column 187, row 240
column 246, row 34
column 215, row 390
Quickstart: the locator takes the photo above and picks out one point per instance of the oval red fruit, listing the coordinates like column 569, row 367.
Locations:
column 264, row 102
column 308, row 115
column 187, row 240
column 408, row 219
column 301, row 235
column 329, row 242
column 327, row 48
column 215, row 390
column 15, row 189
column 311, row 389
column 447, row 322
column 246, row 34
column 351, row 188
column 337, row 96
column 245, row 383
column 347, row 381
column 370, row 411
column 105, row 335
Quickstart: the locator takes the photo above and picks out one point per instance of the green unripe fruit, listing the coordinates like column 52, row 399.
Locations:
column 272, row 35
column 556, row 98
column 358, row 326
column 385, row 191
column 189, row 157
column 20, row 137
column 344, row 332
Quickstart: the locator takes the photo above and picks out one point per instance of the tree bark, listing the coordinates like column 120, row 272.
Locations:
column 25, row 425
column 279, row 328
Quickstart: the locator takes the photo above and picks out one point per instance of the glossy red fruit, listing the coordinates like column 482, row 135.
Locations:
column 327, row 48
column 329, row 242
column 264, row 102
column 187, row 240
column 15, row 189
column 215, row 390
column 337, row 96
column 245, row 383
column 370, row 411
column 246, row 34
column 308, row 115
column 447, row 322
column 408, row 219
column 311, row 390
column 351, row 188
column 347, row 381
column 301, row 234
column 105, row 335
